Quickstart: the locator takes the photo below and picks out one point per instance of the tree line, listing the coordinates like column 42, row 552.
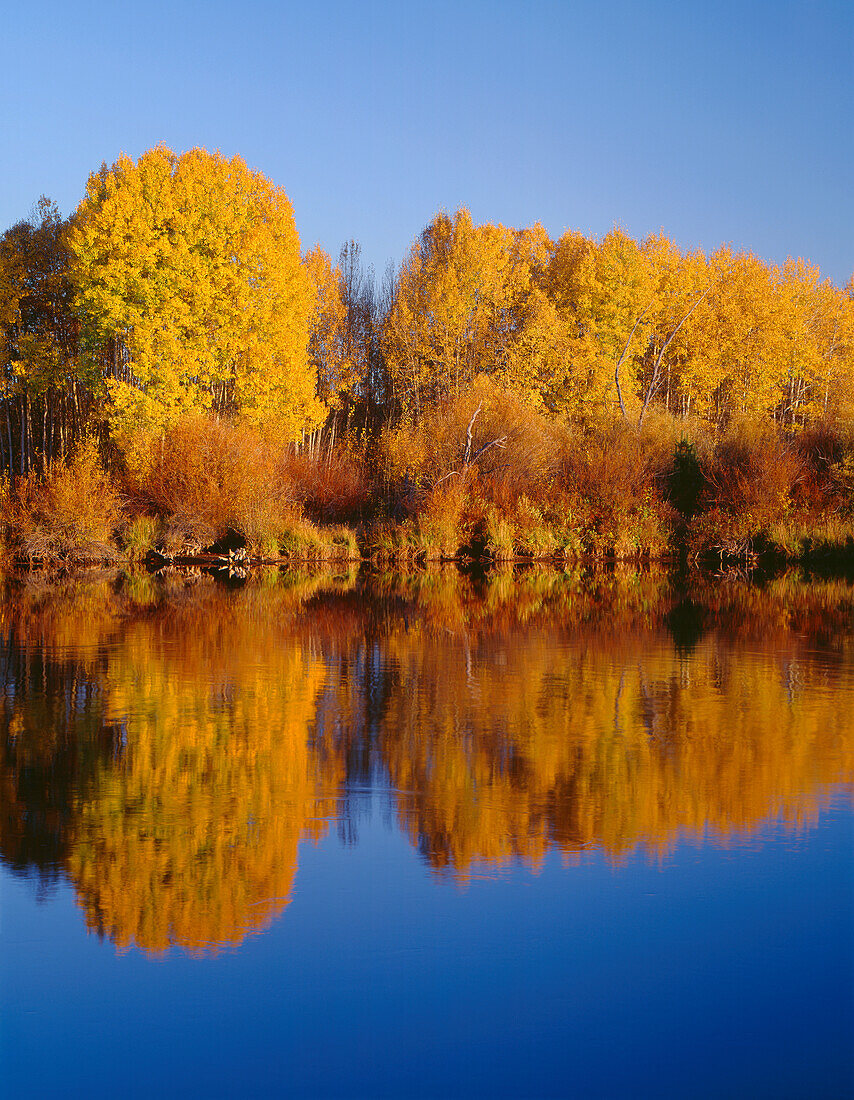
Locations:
column 178, row 287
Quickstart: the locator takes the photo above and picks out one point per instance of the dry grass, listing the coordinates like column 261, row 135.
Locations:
column 139, row 536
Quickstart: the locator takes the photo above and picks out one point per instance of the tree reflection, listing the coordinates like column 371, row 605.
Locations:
column 181, row 826
column 168, row 746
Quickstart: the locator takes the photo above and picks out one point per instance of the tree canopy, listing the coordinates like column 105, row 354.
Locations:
column 191, row 292
column 177, row 287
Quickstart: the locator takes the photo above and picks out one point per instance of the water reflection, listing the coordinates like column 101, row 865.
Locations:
column 168, row 743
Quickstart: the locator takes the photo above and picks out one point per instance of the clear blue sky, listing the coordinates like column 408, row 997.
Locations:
column 717, row 120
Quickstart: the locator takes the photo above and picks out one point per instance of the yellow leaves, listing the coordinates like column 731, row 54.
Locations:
column 329, row 347
column 193, row 298
column 190, row 264
column 467, row 303
column 719, row 335
column 612, row 327
column 36, row 328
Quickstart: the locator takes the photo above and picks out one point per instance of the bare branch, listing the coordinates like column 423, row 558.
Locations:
column 652, row 389
column 622, row 359
column 501, row 442
column 468, row 433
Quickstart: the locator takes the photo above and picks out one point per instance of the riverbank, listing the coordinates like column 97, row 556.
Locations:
column 490, row 480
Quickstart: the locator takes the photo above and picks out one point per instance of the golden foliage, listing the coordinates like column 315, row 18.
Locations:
column 329, row 346
column 466, row 303
column 190, row 287
column 528, row 712
column 617, row 327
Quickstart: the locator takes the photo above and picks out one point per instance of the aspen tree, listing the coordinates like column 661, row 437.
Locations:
column 191, row 293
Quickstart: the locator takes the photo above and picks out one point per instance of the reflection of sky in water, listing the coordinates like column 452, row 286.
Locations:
column 722, row 973
column 577, row 848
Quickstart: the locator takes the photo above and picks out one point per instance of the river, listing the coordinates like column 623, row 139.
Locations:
column 529, row 833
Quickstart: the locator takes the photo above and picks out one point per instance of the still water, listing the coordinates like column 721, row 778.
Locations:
column 529, row 834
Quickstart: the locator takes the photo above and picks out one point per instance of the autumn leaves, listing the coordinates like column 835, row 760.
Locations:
column 178, row 287
column 177, row 293
column 593, row 329
column 188, row 272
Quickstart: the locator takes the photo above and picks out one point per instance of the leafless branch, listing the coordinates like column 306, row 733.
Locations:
column 468, row 433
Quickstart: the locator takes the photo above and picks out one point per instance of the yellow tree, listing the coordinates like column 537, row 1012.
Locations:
column 467, row 303
column 624, row 306
column 817, row 347
column 682, row 283
column 835, row 328
column 192, row 294
column 605, row 295
column 327, row 343
column 736, row 363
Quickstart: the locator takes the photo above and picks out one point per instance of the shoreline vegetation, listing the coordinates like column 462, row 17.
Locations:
column 180, row 383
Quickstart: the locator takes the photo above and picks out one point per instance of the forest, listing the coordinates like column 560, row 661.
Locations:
column 179, row 376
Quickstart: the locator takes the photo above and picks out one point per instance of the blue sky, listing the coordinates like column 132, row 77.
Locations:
column 716, row 121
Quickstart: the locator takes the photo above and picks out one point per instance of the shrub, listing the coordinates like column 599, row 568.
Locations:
column 209, row 478
column 71, row 511
column 751, row 474
column 685, row 481
column 331, row 486
column 5, row 515
column 511, row 447
column 826, row 449
column 612, row 482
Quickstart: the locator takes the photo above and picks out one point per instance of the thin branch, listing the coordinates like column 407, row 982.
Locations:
column 656, row 372
column 468, row 434
column 500, row 442
column 622, row 360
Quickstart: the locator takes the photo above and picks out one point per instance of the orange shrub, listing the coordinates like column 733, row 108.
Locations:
column 210, row 477
column 332, row 486
column 751, row 474
column 71, row 511
column 485, row 434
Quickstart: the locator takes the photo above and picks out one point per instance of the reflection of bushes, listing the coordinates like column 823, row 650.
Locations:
column 613, row 739
column 189, row 736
